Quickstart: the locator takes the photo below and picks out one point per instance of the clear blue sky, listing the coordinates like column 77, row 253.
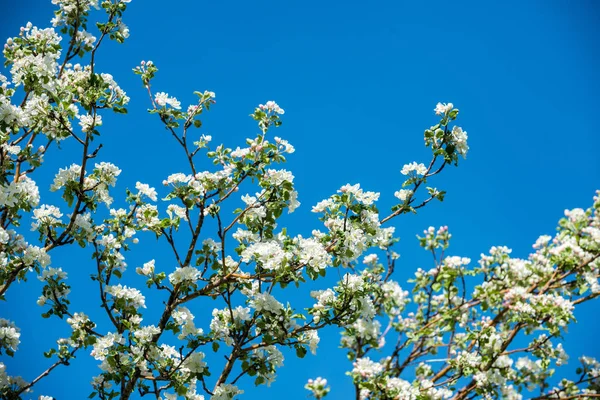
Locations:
column 359, row 83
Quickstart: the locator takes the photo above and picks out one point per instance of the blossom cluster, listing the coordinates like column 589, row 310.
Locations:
column 452, row 335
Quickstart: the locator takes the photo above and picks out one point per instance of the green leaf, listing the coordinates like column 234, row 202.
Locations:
column 300, row 351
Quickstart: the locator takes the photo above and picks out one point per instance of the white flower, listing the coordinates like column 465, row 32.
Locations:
column 78, row 321
column 177, row 178
column 284, row 145
column 145, row 334
column 352, row 282
column 9, row 335
column 147, row 216
column 103, row 344
column 592, row 280
column 185, row 274
column 162, row 99
column 66, row 175
column 318, row 387
column 265, row 302
column 277, row 177
column 86, row 38
column 133, row 296
column 403, row 194
column 226, row 392
column 4, row 236
column 107, row 173
column 313, row 254
column 55, row 273
column 443, row 108
column 313, row 339
column 269, row 254
column 147, row 269
column 370, row 259
column 322, row 205
column 528, row 365
column 419, row 169
column 109, row 241
column 185, row 319
column 178, row 211
column 459, row 139
column 14, row 150
column 35, row 254
column 455, row 262
column 365, row 368
column 401, row 389
column 194, row 362
column 272, row 106
column 366, row 198
column 146, row 190
column 465, row 359
column 123, row 29
column 323, row 297
column 46, row 215
column 89, row 122
column 84, row 222
column 241, row 313
column 24, row 191
column 294, row 203
column 240, row 153
column 397, row 297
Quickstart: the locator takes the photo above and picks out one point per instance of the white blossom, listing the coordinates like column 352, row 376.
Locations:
column 459, row 139
column 403, row 194
column 103, row 344
column 163, row 99
column 9, row 335
column 132, row 296
column 89, row 122
column 264, row 302
column 365, row 368
column 146, row 190
column 271, row 106
column 226, row 391
column 419, row 169
column 147, row 269
column 189, row 275
column 443, row 108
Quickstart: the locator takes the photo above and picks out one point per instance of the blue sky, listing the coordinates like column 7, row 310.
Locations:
column 359, row 83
